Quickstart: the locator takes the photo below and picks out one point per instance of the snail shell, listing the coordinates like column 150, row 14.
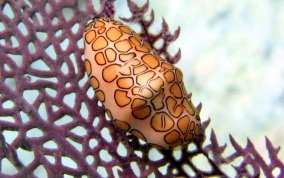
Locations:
column 143, row 94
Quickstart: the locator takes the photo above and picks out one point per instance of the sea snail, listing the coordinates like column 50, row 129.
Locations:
column 143, row 94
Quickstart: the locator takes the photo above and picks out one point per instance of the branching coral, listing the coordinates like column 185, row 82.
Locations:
column 52, row 125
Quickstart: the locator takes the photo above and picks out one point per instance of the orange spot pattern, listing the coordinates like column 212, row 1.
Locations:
column 142, row 93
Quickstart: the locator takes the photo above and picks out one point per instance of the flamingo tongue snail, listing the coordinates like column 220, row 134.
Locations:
column 143, row 94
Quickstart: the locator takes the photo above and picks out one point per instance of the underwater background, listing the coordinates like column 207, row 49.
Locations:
column 233, row 62
column 232, row 58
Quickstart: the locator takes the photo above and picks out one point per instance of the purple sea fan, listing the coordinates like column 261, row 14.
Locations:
column 53, row 126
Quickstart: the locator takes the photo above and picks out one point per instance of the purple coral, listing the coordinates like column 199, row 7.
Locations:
column 48, row 112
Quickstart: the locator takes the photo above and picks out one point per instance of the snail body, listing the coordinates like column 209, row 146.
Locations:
column 143, row 94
